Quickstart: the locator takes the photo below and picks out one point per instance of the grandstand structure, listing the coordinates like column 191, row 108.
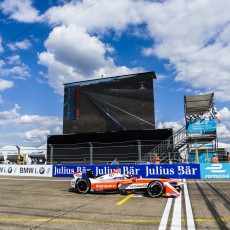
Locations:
column 114, row 118
column 200, row 129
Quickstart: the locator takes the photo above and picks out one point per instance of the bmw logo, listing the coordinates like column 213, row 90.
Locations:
column 41, row 170
column 10, row 170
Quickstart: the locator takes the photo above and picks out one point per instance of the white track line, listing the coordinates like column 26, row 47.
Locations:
column 189, row 214
column 165, row 217
column 176, row 218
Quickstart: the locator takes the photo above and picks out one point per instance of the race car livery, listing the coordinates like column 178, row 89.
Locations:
column 85, row 182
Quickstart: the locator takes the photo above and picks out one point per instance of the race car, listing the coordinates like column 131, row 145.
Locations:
column 85, row 182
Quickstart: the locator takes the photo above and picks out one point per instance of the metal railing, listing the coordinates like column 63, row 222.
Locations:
column 168, row 149
column 100, row 153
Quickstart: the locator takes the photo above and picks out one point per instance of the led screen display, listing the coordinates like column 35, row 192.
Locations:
column 109, row 104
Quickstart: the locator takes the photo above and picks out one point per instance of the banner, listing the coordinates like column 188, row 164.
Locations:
column 179, row 171
column 201, row 126
column 215, row 171
column 26, row 170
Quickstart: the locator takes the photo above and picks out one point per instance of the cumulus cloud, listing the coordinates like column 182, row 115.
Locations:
column 14, row 118
column 170, row 125
column 27, row 124
column 25, row 44
column 20, row 71
column 198, row 50
column 5, row 84
column 223, row 129
column 14, row 59
column 99, row 17
column 35, row 136
column 73, row 55
column 20, row 10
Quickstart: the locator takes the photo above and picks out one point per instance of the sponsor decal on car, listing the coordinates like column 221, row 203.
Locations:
column 105, row 186
column 138, row 186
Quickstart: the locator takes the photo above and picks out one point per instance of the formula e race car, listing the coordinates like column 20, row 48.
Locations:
column 85, row 182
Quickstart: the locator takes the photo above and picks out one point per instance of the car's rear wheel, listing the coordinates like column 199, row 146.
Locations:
column 83, row 186
column 155, row 189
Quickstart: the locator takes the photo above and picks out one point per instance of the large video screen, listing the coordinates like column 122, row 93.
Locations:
column 109, row 104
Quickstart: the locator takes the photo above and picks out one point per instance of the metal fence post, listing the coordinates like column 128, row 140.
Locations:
column 19, row 155
column 51, row 154
column 139, row 151
column 91, row 152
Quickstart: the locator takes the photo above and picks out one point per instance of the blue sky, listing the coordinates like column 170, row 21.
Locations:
column 44, row 44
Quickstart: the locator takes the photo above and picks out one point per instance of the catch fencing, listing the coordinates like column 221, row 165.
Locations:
column 100, row 153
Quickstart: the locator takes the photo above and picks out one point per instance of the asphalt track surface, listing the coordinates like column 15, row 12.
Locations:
column 47, row 203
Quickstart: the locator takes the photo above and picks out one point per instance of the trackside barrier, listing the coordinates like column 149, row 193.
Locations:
column 180, row 171
column 215, row 171
column 26, row 170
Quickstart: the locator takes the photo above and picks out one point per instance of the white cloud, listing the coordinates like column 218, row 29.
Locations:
column 170, row 124
column 14, row 118
column 24, row 128
column 20, row 10
column 223, row 129
column 20, row 71
column 14, row 59
column 25, row 44
column 5, row 84
column 73, row 55
column 198, row 49
column 35, row 136
column 224, row 114
column 100, row 17
column 223, row 132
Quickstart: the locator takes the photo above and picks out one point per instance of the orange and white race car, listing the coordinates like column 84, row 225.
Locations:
column 85, row 182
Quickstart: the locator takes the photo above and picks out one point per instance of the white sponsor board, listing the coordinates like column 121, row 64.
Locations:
column 26, row 170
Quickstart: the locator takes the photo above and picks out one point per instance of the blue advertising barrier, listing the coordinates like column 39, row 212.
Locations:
column 215, row 171
column 179, row 171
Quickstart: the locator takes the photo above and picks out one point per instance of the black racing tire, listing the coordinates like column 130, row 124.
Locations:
column 155, row 189
column 124, row 192
column 83, row 186
column 178, row 188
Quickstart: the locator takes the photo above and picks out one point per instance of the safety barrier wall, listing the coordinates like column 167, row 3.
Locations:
column 215, row 171
column 179, row 171
column 189, row 171
column 26, row 170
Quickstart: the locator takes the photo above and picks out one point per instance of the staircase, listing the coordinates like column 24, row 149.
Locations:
column 169, row 148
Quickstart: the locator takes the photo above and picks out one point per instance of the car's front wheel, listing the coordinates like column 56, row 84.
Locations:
column 155, row 189
column 83, row 186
